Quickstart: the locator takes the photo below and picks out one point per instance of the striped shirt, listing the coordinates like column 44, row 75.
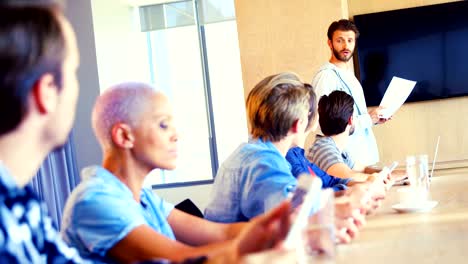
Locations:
column 324, row 153
column 361, row 145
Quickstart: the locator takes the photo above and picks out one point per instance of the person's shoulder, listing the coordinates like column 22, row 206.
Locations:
column 325, row 79
column 320, row 146
column 98, row 186
column 16, row 197
column 296, row 150
column 325, row 140
column 148, row 196
column 262, row 156
column 12, row 207
column 254, row 151
column 264, row 153
column 322, row 141
column 294, row 153
column 98, row 198
column 326, row 69
column 237, row 154
column 255, row 145
column 147, row 193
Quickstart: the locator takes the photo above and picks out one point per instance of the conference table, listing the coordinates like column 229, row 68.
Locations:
column 437, row 236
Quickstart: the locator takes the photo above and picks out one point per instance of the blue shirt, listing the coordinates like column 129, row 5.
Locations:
column 101, row 211
column 26, row 231
column 300, row 164
column 252, row 180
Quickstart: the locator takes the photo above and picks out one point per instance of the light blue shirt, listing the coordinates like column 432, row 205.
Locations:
column 362, row 145
column 101, row 211
column 254, row 179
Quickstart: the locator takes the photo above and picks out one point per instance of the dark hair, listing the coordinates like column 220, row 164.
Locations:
column 37, row 3
column 31, row 44
column 335, row 110
column 276, row 102
column 342, row 25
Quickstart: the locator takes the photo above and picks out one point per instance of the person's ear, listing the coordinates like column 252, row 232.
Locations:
column 45, row 93
column 351, row 120
column 296, row 126
column 122, row 135
column 330, row 44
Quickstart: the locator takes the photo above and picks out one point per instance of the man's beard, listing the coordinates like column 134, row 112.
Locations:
column 340, row 57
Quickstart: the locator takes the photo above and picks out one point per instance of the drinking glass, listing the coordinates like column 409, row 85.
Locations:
column 418, row 175
column 318, row 237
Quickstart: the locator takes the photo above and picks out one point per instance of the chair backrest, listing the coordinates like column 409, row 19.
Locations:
column 190, row 208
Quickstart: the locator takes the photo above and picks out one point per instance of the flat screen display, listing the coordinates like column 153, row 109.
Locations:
column 426, row 44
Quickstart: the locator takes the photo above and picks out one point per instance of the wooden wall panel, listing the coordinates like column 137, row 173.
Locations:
column 279, row 35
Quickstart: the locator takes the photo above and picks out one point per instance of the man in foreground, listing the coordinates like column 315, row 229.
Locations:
column 38, row 94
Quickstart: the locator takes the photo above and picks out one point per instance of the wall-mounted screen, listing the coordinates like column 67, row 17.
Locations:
column 426, row 44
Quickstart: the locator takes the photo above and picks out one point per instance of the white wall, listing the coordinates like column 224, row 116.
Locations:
column 121, row 48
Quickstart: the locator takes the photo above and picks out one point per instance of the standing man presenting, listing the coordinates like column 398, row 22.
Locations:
column 337, row 74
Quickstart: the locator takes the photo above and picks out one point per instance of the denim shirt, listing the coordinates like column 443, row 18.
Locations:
column 101, row 211
column 254, row 178
column 26, row 231
column 300, row 164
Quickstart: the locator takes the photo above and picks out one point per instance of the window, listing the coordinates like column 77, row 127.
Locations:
column 194, row 59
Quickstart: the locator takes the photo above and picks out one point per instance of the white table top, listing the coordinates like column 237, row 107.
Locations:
column 437, row 236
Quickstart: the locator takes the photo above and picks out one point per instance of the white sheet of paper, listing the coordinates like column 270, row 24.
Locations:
column 397, row 92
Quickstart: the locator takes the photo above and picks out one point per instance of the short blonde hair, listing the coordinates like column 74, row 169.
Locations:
column 276, row 102
column 124, row 103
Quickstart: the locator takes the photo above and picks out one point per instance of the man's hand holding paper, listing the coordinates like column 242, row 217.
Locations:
column 397, row 92
column 377, row 114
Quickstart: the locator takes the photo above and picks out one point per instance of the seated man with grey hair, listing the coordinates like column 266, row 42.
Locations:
column 281, row 110
column 110, row 216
